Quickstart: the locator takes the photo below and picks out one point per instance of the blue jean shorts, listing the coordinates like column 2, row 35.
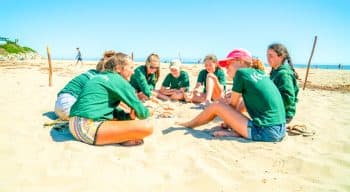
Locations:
column 273, row 133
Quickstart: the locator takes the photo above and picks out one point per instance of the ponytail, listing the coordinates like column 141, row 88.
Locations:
column 257, row 64
column 289, row 60
column 106, row 55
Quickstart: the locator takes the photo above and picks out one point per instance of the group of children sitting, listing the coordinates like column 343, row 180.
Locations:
column 106, row 105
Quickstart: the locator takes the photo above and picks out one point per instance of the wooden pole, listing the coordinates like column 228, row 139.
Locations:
column 309, row 63
column 50, row 66
column 132, row 56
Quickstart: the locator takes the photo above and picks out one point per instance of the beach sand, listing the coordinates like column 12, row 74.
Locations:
column 38, row 158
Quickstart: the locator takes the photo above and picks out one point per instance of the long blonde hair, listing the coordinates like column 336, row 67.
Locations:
column 148, row 63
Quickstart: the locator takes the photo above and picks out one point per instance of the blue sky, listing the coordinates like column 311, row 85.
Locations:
column 193, row 28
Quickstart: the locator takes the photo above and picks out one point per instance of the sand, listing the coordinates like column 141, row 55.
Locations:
column 38, row 158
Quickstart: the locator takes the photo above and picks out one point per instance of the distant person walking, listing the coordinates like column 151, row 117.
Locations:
column 78, row 57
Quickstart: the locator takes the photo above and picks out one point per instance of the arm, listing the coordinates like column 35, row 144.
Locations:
column 127, row 95
column 166, row 91
column 284, row 83
column 235, row 100
column 217, row 82
column 222, row 80
column 143, row 85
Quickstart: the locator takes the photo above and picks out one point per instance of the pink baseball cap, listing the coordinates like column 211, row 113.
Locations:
column 236, row 54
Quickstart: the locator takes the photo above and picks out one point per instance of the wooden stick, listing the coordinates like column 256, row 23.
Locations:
column 50, row 66
column 132, row 56
column 309, row 63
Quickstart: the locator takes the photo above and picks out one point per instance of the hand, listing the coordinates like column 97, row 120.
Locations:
column 150, row 110
column 142, row 97
column 132, row 114
column 188, row 96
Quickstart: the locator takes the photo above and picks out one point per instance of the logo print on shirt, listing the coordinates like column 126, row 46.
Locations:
column 257, row 76
column 102, row 76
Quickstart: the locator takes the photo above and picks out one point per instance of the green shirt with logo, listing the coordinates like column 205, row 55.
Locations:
column 101, row 96
column 142, row 82
column 284, row 79
column 183, row 81
column 219, row 73
column 261, row 97
column 75, row 85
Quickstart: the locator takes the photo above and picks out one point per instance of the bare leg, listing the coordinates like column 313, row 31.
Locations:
column 111, row 132
column 234, row 119
column 177, row 96
column 198, row 97
column 213, row 90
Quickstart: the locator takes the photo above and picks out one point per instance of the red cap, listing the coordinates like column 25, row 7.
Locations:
column 236, row 54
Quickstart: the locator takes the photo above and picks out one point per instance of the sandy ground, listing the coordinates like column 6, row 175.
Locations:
column 38, row 158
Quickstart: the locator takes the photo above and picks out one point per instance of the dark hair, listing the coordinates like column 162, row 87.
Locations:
column 148, row 63
column 115, row 60
column 281, row 50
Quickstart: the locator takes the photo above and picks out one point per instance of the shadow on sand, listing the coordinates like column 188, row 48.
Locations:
column 203, row 134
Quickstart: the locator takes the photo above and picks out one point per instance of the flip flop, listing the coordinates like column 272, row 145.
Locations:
column 131, row 143
column 299, row 130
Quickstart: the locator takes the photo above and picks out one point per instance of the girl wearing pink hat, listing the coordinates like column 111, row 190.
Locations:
column 266, row 121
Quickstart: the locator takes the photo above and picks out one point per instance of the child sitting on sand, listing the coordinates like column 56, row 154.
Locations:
column 96, row 119
column 261, row 97
column 145, row 78
column 176, row 83
column 213, row 80
column 284, row 76
column 69, row 94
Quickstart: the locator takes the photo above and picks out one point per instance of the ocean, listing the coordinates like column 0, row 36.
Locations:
column 196, row 61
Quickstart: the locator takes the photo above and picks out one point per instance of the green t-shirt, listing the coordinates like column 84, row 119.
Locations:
column 143, row 83
column 183, row 81
column 261, row 97
column 75, row 85
column 285, row 81
column 219, row 73
column 101, row 96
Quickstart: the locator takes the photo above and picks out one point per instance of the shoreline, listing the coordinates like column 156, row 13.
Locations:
column 330, row 79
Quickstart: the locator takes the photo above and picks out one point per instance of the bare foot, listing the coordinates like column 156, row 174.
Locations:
column 183, row 124
column 132, row 143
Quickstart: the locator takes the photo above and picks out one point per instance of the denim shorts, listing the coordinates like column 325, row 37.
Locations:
column 273, row 133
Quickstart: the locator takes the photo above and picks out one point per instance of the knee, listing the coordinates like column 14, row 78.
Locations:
column 149, row 126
